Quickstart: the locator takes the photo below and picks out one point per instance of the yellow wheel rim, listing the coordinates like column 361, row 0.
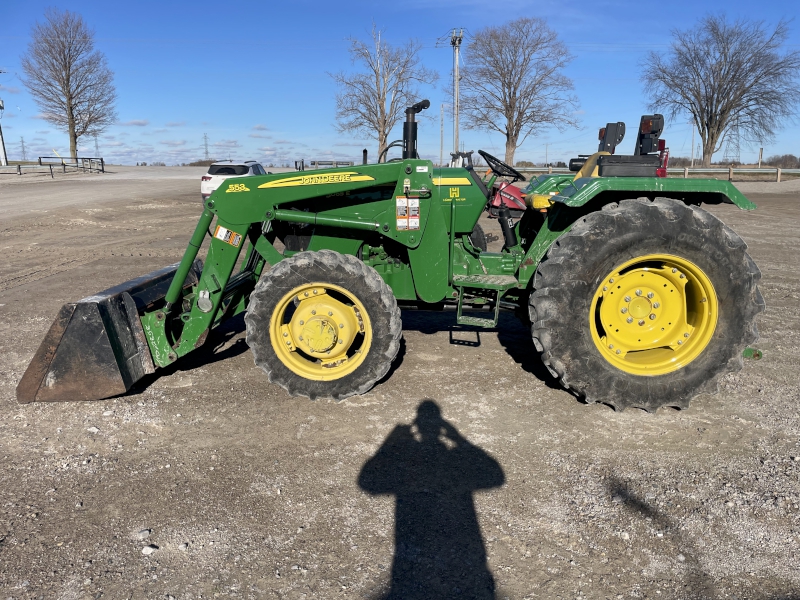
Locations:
column 320, row 331
column 654, row 314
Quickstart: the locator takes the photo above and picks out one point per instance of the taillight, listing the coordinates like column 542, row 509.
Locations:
column 664, row 155
column 205, row 178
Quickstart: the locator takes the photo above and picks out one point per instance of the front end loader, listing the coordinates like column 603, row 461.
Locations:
column 635, row 295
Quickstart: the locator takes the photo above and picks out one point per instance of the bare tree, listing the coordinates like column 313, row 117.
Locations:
column 513, row 81
column 726, row 76
column 374, row 100
column 69, row 80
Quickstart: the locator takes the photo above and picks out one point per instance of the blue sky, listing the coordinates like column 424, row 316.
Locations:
column 253, row 75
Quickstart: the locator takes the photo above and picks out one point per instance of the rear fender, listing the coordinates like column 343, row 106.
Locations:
column 709, row 191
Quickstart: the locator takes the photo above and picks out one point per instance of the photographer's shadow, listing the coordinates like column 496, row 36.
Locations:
column 433, row 471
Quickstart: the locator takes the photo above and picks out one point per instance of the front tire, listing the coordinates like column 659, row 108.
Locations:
column 323, row 324
column 645, row 304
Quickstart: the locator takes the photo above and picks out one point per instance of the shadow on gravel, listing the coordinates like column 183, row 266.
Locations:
column 511, row 333
column 218, row 347
column 697, row 582
column 433, row 471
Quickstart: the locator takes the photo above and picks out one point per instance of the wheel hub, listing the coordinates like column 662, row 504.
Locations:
column 320, row 335
column 654, row 314
column 640, row 307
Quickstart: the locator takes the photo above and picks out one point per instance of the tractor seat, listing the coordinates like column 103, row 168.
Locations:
column 590, row 167
column 586, row 167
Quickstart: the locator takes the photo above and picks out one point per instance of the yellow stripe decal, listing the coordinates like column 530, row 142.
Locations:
column 346, row 177
column 451, row 181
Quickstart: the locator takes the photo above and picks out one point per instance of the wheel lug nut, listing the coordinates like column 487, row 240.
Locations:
column 674, row 270
column 629, row 319
column 611, row 280
column 305, row 294
column 641, row 321
column 656, row 305
column 624, row 310
column 313, row 312
column 341, row 325
column 619, row 351
column 285, row 334
column 652, row 317
column 341, row 341
column 680, row 342
column 638, row 292
column 683, row 276
column 605, row 288
column 315, row 291
column 611, row 346
column 627, row 298
column 302, row 322
column 685, row 335
column 650, row 294
column 330, row 314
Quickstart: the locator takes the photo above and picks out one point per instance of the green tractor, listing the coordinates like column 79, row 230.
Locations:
column 636, row 296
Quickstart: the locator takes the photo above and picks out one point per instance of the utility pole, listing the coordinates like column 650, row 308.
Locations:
column 760, row 156
column 546, row 162
column 205, row 143
column 693, row 128
column 441, row 134
column 96, row 147
column 455, row 42
column 22, row 146
column 3, row 156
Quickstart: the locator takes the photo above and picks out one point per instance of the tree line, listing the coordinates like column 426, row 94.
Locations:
column 731, row 78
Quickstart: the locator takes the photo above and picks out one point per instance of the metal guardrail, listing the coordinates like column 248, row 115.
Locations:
column 687, row 171
column 83, row 164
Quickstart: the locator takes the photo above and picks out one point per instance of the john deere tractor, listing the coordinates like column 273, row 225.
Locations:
column 636, row 296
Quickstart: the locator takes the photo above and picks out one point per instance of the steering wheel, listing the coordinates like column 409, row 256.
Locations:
column 500, row 168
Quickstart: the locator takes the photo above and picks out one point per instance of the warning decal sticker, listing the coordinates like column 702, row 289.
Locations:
column 407, row 213
column 228, row 236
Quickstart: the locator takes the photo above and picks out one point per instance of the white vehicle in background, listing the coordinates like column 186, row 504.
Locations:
column 223, row 169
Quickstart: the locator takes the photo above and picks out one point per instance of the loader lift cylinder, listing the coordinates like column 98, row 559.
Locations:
column 174, row 291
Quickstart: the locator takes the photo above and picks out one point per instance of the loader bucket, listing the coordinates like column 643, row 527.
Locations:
column 96, row 348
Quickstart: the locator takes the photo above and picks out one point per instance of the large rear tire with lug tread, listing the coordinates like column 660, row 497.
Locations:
column 323, row 324
column 645, row 304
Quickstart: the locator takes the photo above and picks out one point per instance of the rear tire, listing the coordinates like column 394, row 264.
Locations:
column 478, row 238
column 323, row 324
column 685, row 305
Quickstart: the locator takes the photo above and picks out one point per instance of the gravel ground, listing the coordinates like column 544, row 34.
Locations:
column 208, row 482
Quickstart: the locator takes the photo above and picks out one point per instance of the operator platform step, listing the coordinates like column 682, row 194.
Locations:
column 486, row 282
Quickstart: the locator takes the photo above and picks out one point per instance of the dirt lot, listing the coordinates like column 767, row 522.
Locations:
column 249, row 493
